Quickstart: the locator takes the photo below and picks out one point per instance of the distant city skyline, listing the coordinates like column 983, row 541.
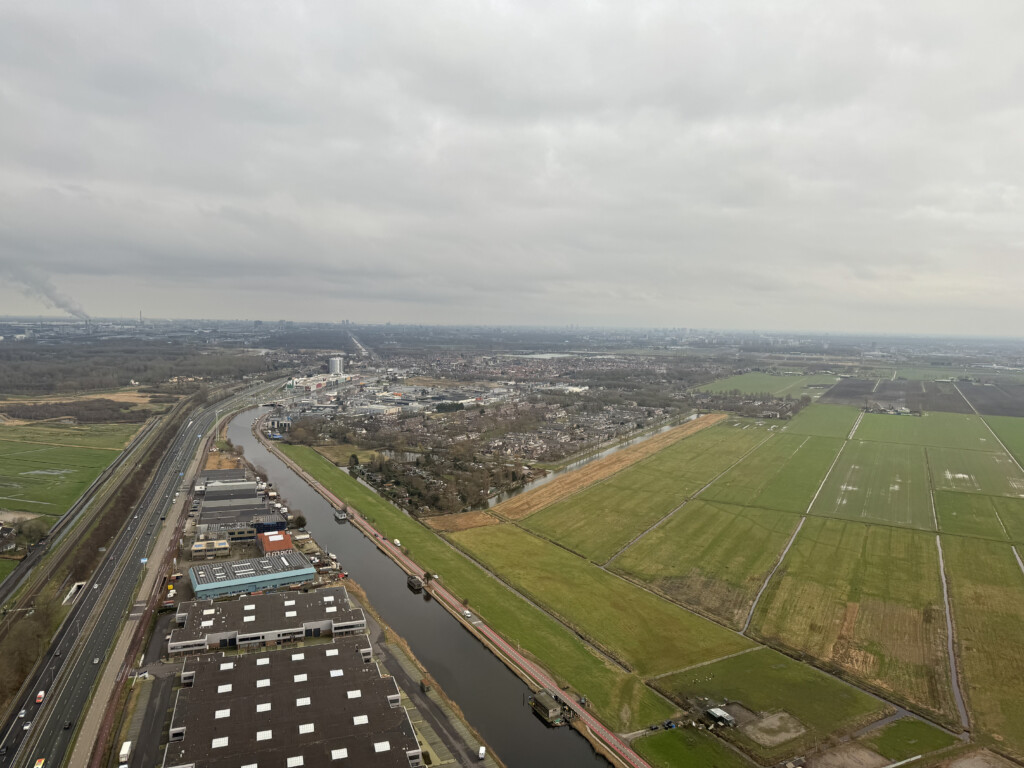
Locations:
column 778, row 166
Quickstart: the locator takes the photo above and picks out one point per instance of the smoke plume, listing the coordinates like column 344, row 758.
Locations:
column 38, row 285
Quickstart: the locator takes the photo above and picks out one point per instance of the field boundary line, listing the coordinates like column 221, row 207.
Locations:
column 687, row 500
column 758, row 647
column 768, row 578
column 856, row 424
column 954, row 676
column 1017, row 555
column 782, row 555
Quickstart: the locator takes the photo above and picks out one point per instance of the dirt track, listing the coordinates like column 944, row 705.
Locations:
column 524, row 505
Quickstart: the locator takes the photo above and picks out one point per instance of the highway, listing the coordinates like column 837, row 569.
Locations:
column 72, row 665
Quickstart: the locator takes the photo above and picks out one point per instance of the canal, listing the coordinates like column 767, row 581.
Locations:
column 492, row 698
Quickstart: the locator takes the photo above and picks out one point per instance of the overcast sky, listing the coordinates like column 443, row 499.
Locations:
column 754, row 165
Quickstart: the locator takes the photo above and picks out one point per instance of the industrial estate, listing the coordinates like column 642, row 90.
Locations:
column 249, row 544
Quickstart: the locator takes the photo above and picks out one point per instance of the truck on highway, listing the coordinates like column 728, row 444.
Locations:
column 126, row 752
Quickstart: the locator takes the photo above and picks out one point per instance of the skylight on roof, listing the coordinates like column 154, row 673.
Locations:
column 220, row 742
column 295, row 762
column 355, row 694
column 249, row 618
column 300, row 678
column 290, row 614
column 328, row 598
column 263, row 682
column 336, row 754
column 303, row 702
column 331, row 652
column 337, row 672
column 307, row 727
column 221, row 713
column 264, row 735
column 298, row 656
column 207, row 623
column 209, row 611
column 381, row 746
column 261, row 662
column 330, row 609
column 225, row 688
column 250, row 607
column 264, row 707
column 360, row 720
column 288, row 602
column 227, row 665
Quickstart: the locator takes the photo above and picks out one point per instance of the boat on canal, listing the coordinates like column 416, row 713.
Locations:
column 340, row 515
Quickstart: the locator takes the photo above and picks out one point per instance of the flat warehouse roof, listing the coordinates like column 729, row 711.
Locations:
column 235, row 570
column 314, row 706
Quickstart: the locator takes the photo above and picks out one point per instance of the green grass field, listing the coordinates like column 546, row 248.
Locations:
column 993, row 473
column 942, row 430
column 823, row 420
column 906, row 738
column 710, row 556
column 1010, row 430
column 879, row 483
column 687, row 748
column 600, row 520
column 766, row 681
column 113, row 437
column 620, row 699
column 971, row 514
column 604, row 609
column 782, row 474
column 780, row 386
column 987, row 592
column 868, row 600
column 47, row 479
column 7, row 567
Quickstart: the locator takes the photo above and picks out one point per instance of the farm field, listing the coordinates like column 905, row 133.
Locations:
column 766, row 681
column 780, row 386
column 942, row 430
column 906, row 738
column 47, row 479
column 850, row 392
column 605, row 609
column 939, row 396
column 601, row 519
column 878, row 483
column 988, row 608
column 993, row 473
column 1010, row 430
column 686, row 748
column 525, row 504
column 866, row 600
column 783, row 473
column 620, row 699
column 1002, row 399
column 823, row 420
column 113, row 437
column 973, row 514
column 711, row 557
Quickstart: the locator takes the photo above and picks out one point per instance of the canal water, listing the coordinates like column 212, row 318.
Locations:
column 491, row 697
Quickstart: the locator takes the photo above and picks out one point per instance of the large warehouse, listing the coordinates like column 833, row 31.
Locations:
column 280, row 569
column 259, row 620
column 314, row 707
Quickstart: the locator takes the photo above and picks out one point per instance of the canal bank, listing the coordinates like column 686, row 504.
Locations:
column 492, row 697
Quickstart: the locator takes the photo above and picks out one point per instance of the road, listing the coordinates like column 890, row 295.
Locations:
column 70, row 668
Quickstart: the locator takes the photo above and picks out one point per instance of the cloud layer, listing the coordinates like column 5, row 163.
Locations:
column 736, row 164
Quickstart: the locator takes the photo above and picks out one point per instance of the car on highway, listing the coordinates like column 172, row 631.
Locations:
column 26, row 726
column 96, row 660
column 467, row 614
column 68, row 724
column 40, row 696
column 22, row 713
